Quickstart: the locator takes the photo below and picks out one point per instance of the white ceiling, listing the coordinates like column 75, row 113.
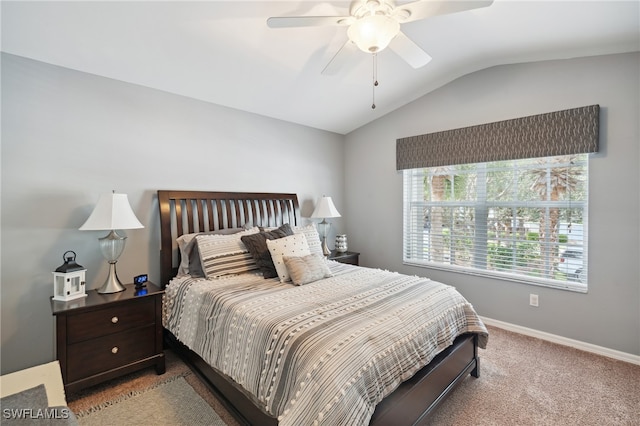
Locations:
column 223, row 52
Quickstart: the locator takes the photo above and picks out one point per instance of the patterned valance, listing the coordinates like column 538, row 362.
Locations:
column 571, row 131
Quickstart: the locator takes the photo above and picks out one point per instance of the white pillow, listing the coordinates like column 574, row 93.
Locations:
column 313, row 237
column 293, row 245
column 225, row 254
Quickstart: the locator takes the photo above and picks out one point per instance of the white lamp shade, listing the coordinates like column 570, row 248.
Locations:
column 113, row 211
column 325, row 208
column 373, row 33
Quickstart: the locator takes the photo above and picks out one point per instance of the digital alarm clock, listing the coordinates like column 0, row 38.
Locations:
column 139, row 280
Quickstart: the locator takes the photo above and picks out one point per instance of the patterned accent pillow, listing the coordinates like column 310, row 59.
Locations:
column 225, row 254
column 307, row 269
column 257, row 246
column 293, row 245
column 313, row 237
column 189, row 257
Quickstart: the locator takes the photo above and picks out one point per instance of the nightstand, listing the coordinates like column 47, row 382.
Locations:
column 350, row 257
column 104, row 336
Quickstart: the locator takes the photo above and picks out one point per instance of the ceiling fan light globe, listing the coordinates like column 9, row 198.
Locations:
column 373, row 33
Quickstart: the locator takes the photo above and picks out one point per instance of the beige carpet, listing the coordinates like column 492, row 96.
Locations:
column 524, row 381
column 528, row 381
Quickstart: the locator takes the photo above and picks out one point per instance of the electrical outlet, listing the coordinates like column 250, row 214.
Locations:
column 533, row 300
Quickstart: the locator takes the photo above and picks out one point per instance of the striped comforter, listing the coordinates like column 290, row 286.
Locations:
column 322, row 353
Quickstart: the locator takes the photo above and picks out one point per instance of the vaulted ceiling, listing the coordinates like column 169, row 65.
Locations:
column 223, row 51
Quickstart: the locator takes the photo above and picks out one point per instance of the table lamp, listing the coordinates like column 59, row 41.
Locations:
column 325, row 209
column 112, row 212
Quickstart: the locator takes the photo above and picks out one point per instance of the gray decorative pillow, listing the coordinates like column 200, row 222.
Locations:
column 257, row 246
column 307, row 269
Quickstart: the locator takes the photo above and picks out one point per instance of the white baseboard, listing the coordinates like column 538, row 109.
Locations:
column 588, row 347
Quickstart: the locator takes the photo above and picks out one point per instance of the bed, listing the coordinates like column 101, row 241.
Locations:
column 280, row 376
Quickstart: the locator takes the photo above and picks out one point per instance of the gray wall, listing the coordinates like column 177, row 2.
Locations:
column 609, row 314
column 68, row 137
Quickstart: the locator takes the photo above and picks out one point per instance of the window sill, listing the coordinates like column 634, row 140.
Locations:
column 560, row 285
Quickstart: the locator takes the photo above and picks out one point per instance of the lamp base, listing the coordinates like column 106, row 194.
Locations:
column 325, row 249
column 112, row 284
column 323, row 227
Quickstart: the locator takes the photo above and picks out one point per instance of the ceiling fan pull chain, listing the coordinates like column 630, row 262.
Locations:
column 375, row 80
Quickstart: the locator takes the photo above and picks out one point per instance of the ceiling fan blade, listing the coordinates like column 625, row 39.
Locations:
column 422, row 9
column 347, row 51
column 307, row 21
column 404, row 47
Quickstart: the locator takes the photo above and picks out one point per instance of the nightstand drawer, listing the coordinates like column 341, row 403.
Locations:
column 115, row 319
column 98, row 355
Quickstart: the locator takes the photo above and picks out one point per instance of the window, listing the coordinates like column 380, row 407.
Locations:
column 506, row 199
column 524, row 220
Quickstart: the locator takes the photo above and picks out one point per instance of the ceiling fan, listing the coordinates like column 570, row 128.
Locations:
column 375, row 24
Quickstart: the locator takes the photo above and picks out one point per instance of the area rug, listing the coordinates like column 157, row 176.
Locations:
column 171, row 403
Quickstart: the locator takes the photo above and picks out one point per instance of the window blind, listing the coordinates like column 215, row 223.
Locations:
column 525, row 220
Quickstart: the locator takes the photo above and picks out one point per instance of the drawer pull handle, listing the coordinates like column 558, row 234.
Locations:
column 114, row 320
column 114, row 350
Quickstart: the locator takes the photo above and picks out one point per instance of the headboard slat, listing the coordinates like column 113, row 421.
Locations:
column 183, row 212
column 245, row 210
column 270, row 212
column 189, row 216
column 218, row 205
column 200, row 205
column 261, row 214
column 179, row 218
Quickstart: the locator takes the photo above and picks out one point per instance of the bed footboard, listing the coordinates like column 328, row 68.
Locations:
column 418, row 397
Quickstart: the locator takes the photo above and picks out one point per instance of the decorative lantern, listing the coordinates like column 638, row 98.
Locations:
column 68, row 279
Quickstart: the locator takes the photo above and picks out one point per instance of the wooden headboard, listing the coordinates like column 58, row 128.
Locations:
column 186, row 212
